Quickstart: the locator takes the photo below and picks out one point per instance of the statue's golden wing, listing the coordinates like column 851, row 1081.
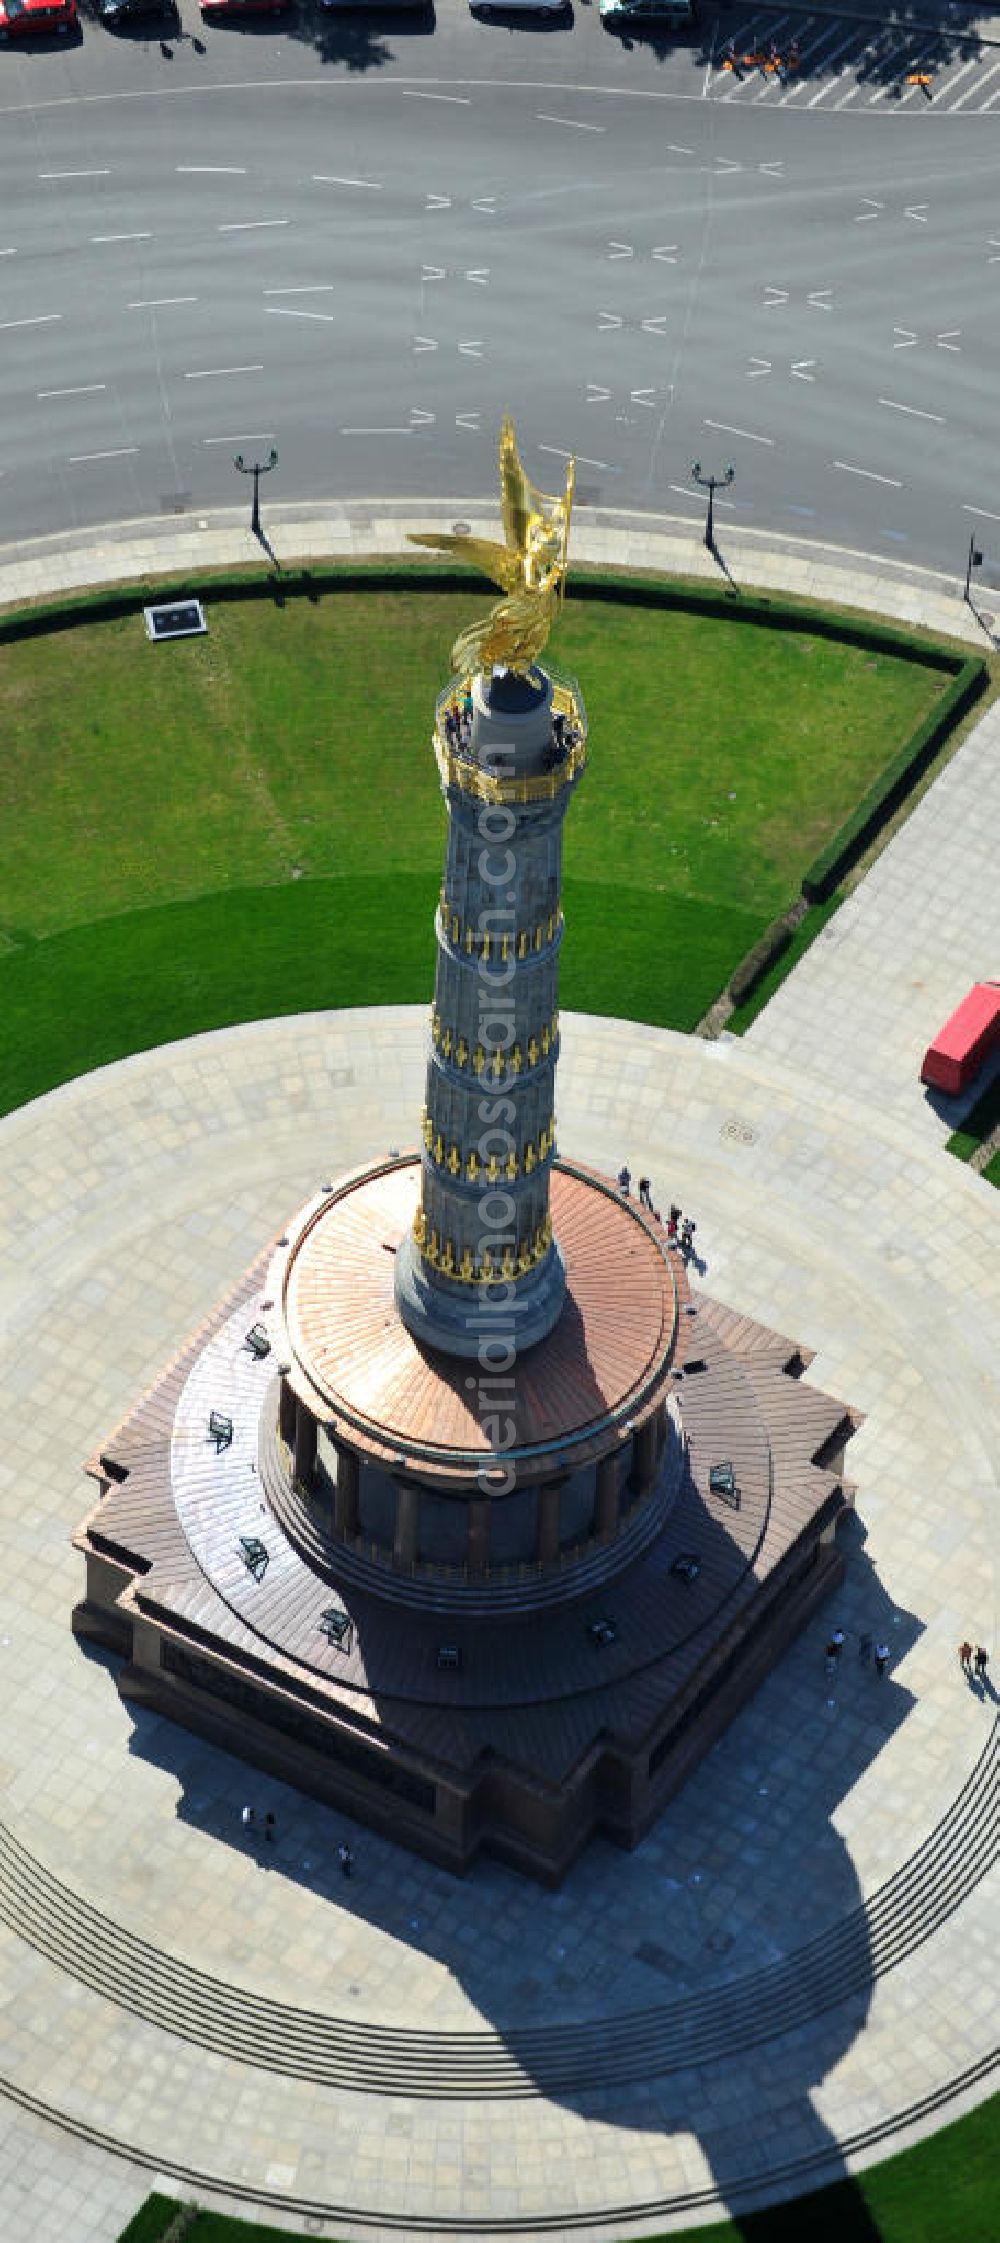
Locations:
column 501, row 566
column 519, row 499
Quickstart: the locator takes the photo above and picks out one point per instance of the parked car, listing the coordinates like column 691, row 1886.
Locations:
column 215, row 8
column 28, row 19
column 113, row 12
column 647, row 15
column 489, row 8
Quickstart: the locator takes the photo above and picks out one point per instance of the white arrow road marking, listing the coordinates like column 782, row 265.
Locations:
column 581, row 457
column 667, row 252
column 424, row 342
column 819, row 300
column 467, row 420
column 596, row 395
column 773, row 296
column 419, row 419
column 800, row 368
column 907, row 338
column 656, row 326
column 758, row 366
column 724, row 164
column 480, row 274
column 438, row 202
column 772, row 171
column 917, row 210
column 485, row 202
column 620, row 249
column 433, row 272
column 946, row 339
column 872, row 211
column 607, row 320
column 471, row 349
column 644, row 397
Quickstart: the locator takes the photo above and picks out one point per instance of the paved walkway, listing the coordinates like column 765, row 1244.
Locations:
column 826, row 1206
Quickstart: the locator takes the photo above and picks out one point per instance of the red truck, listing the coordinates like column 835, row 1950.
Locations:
column 965, row 1042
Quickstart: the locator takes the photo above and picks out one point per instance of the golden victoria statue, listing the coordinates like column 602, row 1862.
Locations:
column 530, row 567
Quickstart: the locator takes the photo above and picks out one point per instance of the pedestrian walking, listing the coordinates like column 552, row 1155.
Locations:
column 346, row 1860
column 625, row 1181
column 673, row 1219
column 965, row 1657
column 688, row 1228
column 982, row 1662
column 882, row 1656
column 645, row 1194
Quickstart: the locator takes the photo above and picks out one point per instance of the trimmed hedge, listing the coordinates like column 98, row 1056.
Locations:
column 152, row 2220
column 774, row 941
column 895, row 782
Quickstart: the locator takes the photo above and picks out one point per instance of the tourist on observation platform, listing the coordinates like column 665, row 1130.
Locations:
column 965, row 1657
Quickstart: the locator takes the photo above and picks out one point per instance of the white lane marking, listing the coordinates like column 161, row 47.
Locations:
column 580, row 457
column 480, row 274
column 657, row 326
column 869, row 474
column 487, row 203
column 407, row 431
column 415, row 93
column 85, row 389
column 917, row 210
column 914, row 411
column 957, row 79
column 773, row 297
column 106, row 174
column 260, row 436
column 907, row 338
column 674, row 149
column 121, row 237
column 596, row 395
column 983, row 510
column 433, row 272
column 250, row 225
column 946, row 339
column 816, row 98
column 819, row 300
column 468, row 420
column 758, row 366
column 667, row 252
column 606, row 321
column 438, row 202
column 155, row 303
column 978, row 87
column 861, row 217
column 725, row 429
column 645, row 397
column 80, row 459
column 573, row 122
column 681, row 490
column 423, row 342
column 206, row 373
column 8, row 253
column 288, row 311
column 472, row 349
column 315, row 288
column 987, row 105
column 620, row 249
column 229, row 171
column 332, row 179
column 45, row 319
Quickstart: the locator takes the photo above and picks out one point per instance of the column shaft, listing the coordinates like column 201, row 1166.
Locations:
column 345, row 1501
column 404, row 1547
column 305, row 1444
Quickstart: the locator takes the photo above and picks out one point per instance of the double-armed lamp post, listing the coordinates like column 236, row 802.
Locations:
column 257, row 469
column 711, row 484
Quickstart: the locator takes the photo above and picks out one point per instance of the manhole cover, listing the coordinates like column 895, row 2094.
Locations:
column 738, row 1132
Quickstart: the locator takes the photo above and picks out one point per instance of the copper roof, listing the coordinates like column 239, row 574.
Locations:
column 607, row 1360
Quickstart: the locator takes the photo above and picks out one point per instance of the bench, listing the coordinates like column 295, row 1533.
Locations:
column 960, row 1048
column 220, row 1430
column 258, row 1343
column 255, row 1555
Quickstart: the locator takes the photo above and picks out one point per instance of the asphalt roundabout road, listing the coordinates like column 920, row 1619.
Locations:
column 360, row 241
column 730, row 2012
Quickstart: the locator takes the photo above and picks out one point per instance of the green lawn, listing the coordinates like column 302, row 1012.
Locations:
column 944, row 2191
column 250, row 822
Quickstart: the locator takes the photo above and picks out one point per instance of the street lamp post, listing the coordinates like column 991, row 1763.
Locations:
column 975, row 562
column 711, row 484
column 256, row 469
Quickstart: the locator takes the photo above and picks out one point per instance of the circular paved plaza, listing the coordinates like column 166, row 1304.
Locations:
column 794, row 1967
